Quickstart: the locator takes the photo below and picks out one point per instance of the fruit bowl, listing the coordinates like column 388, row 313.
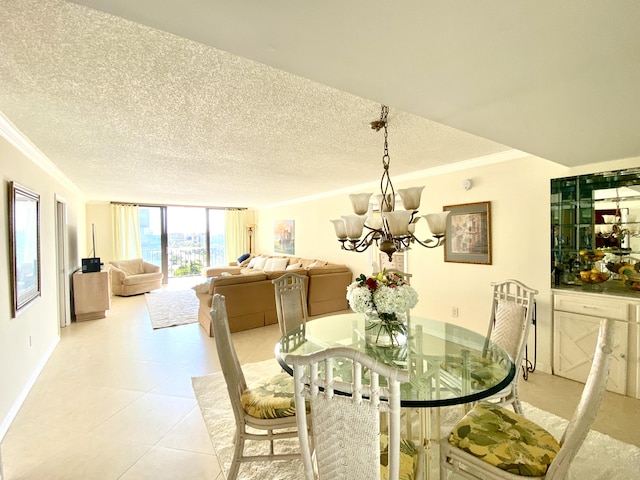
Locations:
column 593, row 276
column 631, row 277
column 592, row 256
column 615, row 267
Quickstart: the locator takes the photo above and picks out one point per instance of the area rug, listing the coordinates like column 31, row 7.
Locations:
column 600, row 458
column 168, row 308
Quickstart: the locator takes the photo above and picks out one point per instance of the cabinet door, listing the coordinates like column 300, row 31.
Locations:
column 575, row 338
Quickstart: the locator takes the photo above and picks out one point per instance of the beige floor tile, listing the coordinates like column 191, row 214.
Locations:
column 85, row 457
column 146, row 420
column 72, row 405
column 162, row 463
column 189, row 434
column 27, row 444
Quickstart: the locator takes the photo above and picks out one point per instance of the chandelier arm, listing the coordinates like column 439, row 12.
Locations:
column 428, row 243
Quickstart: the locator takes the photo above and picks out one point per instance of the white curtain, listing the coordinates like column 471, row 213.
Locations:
column 235, row 238
column 126, row 232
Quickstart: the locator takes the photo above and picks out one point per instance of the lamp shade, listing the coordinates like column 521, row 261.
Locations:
column 411, row 197
column 437, row 222
column 375, row 222
column 398, row 222
column 354, row 225
column 360, row 202
column 340, row 227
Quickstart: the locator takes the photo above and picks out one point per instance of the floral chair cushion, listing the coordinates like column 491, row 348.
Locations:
column 506, row 440
column 271, row 397
column 408, row 459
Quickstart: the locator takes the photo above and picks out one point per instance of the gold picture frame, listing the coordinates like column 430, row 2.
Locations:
column 468, row 234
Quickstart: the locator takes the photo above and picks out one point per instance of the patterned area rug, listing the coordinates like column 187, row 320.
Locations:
column 600, row 458
column 168, row 308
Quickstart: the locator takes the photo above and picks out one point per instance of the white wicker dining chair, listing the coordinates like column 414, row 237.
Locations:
column 491, row 442
column 510, row 320
column 291, row 301
column 346, row 416
column 267, row 406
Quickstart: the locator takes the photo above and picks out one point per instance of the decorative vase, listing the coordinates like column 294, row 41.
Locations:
column 386, row 329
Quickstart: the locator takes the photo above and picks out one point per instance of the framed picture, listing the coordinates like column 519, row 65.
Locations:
column 468, row 234
column 284, row 237
column 24, row 236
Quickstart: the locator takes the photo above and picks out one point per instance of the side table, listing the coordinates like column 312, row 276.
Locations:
column 91, row 294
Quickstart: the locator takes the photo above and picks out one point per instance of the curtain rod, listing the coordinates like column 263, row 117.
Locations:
column 170, row 205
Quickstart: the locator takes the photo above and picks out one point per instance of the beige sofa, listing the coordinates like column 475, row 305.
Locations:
column 250, row 295
column 131, row 277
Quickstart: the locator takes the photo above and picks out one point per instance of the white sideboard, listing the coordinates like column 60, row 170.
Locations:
column 576, row 318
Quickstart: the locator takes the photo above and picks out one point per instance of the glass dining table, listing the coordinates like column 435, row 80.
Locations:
column 448, row 364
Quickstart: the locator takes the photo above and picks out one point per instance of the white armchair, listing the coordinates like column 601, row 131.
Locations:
column 131, row 277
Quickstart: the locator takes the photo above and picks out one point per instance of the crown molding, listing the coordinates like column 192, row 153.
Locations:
column 485, row 160
column 16, row 138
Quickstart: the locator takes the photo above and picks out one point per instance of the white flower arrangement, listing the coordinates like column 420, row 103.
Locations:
column 385, row 297
column 386, row 293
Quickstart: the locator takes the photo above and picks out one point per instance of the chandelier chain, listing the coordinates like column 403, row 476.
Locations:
column 388, row 198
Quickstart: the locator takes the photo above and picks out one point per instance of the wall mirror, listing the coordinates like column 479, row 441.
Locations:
column 24, row 227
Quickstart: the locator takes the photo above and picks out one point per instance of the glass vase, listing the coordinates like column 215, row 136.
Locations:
column 386, row 329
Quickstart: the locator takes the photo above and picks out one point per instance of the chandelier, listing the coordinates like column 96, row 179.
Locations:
column 390, row 230
column 615, row 226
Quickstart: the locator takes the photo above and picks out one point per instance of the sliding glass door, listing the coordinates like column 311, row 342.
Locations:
column 216, row 237
column 182, row 240
column 186, row 232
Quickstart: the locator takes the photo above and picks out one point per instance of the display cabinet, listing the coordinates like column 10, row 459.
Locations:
column 595, row 229
column 594, row 212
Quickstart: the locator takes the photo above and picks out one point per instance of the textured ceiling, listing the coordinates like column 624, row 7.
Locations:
column 130, row 113
column 201, row 116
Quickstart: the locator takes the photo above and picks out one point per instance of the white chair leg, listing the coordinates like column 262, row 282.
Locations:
column 235, row 462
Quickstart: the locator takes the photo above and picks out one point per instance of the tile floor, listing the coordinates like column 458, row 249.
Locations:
column 115, row 402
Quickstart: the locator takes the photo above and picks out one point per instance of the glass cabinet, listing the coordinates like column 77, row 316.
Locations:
column 594, row 213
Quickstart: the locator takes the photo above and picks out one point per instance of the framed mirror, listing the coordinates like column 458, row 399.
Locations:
column 24, row 231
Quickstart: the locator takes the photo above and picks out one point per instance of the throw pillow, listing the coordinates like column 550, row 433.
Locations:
column 260, row 263
column 294, row 266
column 252, row 262
column 201, row 288
column 242, row 258
column 276, row 264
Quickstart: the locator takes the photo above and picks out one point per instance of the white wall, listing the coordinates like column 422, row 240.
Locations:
column 27, row 340
column 519, row 194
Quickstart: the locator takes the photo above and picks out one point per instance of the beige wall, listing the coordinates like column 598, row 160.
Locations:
column 27, row 340
column 99, row 214
column 519, row 194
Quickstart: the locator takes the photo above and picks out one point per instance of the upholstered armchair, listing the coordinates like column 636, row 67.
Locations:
column 131, row 277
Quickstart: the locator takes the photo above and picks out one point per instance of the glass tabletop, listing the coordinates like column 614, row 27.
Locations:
column 448, row 364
